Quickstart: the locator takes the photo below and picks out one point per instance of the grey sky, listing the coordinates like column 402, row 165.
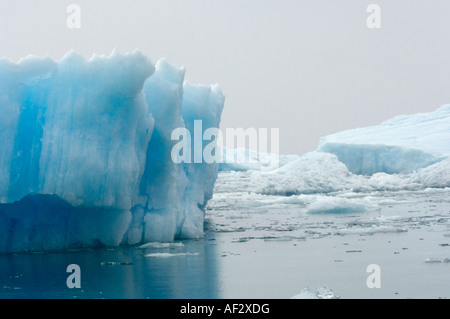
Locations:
column 309, row 67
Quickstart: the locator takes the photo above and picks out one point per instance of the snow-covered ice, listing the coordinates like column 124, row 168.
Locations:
column 402, row 144
column 404, row 153
column 324, row 184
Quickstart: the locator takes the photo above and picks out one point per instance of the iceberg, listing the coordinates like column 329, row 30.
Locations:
column 402, row 144
column 408, row 152
column 85, row 152
column 314, row 172
column 433, row 176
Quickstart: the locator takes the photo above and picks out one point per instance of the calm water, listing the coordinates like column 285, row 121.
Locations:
column 264, row 251
column 113, row 273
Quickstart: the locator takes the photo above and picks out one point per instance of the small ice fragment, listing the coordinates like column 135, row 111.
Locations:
column 158, row 245
column 321, row 293
column 433, row 260
column 115, row 263
column 166, row 255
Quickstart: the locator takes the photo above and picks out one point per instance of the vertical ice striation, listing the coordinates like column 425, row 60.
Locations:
column 89, row 143
column 163, row 182
column 208, row 101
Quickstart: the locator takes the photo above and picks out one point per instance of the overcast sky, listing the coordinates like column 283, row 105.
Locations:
column 307, row 67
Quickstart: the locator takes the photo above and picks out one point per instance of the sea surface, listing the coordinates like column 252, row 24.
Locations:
column 264, row 246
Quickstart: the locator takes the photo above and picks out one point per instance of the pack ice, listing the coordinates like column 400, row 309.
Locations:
column 85, row 152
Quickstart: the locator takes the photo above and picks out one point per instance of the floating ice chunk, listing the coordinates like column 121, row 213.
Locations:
column 337, row 205
column 384, row 181
column 312, row 173
column 404, row 153
column 436, row 175
column 400, row 145
column 374, row 229
column 433, row 260
column 368, row 159
column 306, row 293
column 320, row 293
column 157, row 245
column 168, row 255
column 281, row 238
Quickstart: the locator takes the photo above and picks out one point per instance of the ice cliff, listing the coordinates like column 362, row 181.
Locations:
column 85, row 152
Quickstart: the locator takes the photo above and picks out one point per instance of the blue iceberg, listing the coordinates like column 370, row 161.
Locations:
column 85, row 152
